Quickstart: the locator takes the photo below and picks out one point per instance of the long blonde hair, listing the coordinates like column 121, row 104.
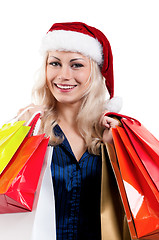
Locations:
column 90, row 111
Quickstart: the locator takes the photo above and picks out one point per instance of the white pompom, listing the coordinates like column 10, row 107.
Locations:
column 114, row 104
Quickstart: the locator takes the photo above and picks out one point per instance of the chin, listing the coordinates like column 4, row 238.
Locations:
column 68, row 101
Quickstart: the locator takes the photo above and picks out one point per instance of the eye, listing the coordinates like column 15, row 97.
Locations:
column 55, row 64
column 77, row 65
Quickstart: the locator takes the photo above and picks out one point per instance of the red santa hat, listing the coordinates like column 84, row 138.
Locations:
column 89, row 41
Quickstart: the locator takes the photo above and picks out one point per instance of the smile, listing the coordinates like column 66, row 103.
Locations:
column 65, row 87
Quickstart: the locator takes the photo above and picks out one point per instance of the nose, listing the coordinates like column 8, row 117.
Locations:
column 65, row 73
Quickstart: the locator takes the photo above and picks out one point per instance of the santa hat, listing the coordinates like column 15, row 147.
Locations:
column 89, row 41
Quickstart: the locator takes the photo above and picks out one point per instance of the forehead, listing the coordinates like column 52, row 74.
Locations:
column 69, row 55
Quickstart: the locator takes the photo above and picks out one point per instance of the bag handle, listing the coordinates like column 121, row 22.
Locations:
column 16, row 118
column 34, row 122
column 122, row 116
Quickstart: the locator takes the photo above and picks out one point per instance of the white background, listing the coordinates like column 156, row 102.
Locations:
column 132, row 28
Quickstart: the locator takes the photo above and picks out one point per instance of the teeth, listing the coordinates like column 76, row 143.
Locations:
column 65, row 87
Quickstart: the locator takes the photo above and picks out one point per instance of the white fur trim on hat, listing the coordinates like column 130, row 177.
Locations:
column 63, row 40
column 114, row 104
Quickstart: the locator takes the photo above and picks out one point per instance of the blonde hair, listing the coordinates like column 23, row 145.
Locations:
column 90, row 111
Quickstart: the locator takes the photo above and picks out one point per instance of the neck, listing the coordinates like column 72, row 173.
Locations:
column 67, row 113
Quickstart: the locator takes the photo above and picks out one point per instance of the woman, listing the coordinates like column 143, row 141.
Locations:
column 70, row 91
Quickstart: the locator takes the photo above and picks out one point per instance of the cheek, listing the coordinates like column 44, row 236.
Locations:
column 50, row 76
column 49, row 83
column 85, row 79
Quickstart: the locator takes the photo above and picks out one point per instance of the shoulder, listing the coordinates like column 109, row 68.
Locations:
column 27, row 112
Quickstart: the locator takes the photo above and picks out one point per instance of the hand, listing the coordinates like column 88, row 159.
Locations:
column 108, row 123
column 29, row 111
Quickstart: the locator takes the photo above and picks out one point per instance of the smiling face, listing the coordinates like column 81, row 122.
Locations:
column 68, row 76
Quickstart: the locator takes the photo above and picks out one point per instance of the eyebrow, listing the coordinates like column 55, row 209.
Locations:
column 55, row 57
column 74, row 59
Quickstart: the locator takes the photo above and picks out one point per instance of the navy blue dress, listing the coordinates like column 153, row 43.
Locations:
column 77, row 188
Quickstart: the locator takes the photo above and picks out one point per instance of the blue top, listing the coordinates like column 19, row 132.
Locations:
column 77, row 188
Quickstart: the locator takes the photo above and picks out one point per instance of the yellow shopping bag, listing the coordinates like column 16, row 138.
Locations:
column 11, row 136
column 8, row 130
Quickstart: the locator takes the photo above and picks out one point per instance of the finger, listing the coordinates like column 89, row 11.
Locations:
column 106, row 121
column 107, row 136
column 102, row 116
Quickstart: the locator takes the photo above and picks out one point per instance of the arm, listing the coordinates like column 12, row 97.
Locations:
column 107, row 124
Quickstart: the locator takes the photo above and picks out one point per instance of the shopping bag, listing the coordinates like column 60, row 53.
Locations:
column 115, row 166
column 39, row 224
column 11, row 136
column 19, row 180
column 7, row 130
column 145, row 145
column 137, row 188
column 137, row 160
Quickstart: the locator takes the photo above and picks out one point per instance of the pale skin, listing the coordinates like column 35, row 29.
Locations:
column 67, row 76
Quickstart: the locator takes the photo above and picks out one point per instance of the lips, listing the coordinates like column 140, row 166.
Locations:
column 65, row 86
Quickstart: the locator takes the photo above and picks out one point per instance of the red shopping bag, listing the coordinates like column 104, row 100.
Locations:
column 40, row 223
column 19, row 180
column 115, row 166
column 147, row 147
column 138, row 189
